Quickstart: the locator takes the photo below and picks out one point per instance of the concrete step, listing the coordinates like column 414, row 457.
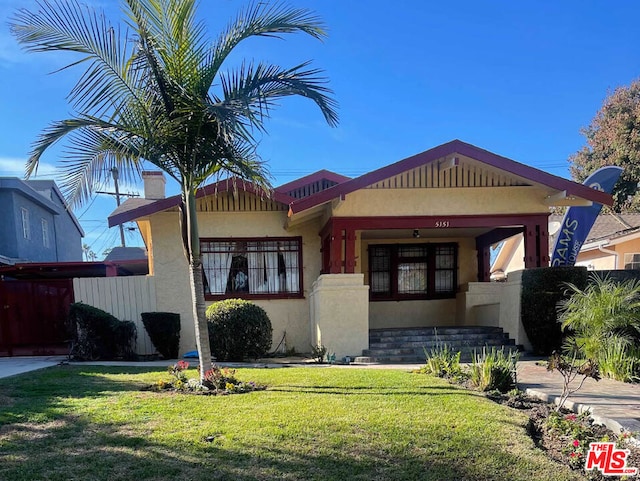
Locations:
column 408, row 345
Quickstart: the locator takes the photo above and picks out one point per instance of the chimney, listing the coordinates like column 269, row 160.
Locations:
column 154, row 182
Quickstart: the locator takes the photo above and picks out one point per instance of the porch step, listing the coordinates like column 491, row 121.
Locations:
column 408, row 345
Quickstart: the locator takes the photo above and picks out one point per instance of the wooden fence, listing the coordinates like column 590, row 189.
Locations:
column 124, row 297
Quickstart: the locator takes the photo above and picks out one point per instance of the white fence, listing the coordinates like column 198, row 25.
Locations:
column 123, row 297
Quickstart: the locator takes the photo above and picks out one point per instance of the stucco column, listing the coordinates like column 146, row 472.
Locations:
column 340, row 314
column 510, row 306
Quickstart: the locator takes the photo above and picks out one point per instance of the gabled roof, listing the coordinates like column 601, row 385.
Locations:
column 448, row 149
column 312, row 183
column 135, row 208
column 612, row 226
column 34, row 190
column 329, row 185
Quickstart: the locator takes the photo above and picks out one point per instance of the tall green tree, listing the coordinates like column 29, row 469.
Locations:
column 613, row 138
column 154, row 90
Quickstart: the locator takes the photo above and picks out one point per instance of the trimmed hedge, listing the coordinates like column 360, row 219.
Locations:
column 542, row 290
column 164, row 331
column 99, row 335
column 238, row 330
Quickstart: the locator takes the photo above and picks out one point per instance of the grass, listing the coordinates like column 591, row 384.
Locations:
column 94, row 423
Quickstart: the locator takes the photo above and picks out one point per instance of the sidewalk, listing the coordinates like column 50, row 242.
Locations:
column 612, row 403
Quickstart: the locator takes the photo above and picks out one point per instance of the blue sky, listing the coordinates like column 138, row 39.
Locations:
column 517, row 78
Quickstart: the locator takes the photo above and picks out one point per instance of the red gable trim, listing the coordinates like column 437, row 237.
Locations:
column 311, row 178
column 211, row 189
column 453, row 147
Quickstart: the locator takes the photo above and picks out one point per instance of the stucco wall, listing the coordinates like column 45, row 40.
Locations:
column 172, row 285
column 8, row 241
column 446, row 201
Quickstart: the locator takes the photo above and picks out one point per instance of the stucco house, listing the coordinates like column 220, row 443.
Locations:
column 35, row 224
column 331, row 257
column 613, row 243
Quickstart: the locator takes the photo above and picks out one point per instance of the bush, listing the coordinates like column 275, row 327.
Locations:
column 164, row 331
column 542, row 290
column 603, row 324
column 99, row 335
column 443, row 361
column 494, row 369
column 238, row 330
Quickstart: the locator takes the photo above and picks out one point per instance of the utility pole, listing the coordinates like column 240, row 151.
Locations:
column 115, row 175
column 117, row 194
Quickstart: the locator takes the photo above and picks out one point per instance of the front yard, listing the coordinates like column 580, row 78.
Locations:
column 94, row 423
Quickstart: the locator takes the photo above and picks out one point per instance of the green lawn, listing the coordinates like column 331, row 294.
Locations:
column 94, row 423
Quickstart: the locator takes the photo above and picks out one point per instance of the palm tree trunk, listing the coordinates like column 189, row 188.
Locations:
column 197, row 288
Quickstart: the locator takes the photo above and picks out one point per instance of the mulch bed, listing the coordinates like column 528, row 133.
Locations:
column 559, row 445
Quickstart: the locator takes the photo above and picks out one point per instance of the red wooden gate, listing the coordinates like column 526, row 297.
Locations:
column 33, row 315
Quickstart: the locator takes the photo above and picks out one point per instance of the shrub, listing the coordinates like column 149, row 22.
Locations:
column 603, row 324
column 443, row 361
column 99, row 335
column 238, row 330
column 542, row 290
column 164, row 331
column 494, row 369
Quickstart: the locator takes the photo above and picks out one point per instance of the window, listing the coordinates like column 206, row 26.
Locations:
column 270, row 267
column 413, row 271
column 26, row 230
column 632, row 261
column 45, row 233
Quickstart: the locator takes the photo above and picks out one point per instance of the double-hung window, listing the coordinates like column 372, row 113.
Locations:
column 413, row 271
column 45, row 232
column 631, row 261
column 252, row 268
column 26, row 227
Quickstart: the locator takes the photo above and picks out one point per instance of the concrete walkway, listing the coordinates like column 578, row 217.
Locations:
column 612, row 403
column 10, row 366
column 615, row 404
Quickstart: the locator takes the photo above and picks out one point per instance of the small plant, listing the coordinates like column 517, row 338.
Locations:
column 216, row 381
column 318, row 353
column 443, row 361
column 177, row 371
column 238, row 330
column 494, row 369
column 570, row 368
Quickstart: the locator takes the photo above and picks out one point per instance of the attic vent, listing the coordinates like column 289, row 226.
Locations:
column 312, row 188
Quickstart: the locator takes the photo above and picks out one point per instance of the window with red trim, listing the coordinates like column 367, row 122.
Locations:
column 252, row 267
column 413, row 271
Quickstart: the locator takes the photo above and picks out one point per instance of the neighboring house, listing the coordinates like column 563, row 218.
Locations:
column 329, row 257
column 35, row 224
column 613, row 243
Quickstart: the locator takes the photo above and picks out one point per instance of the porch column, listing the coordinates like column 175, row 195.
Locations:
column 536, row 245
column 339, row 314
column 484, row 263
column 335, row 250
column 350, row 251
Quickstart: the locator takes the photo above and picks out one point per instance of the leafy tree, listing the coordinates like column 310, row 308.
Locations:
column 155, row 91
column 613, row 138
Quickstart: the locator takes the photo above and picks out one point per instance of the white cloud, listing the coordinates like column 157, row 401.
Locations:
column 14, row 167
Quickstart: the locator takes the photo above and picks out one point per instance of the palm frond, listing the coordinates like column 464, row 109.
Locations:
column 73, row 27
column 260, row 19
column 251, row 91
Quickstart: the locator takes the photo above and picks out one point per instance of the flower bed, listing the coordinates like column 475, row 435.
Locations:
column 217, row 381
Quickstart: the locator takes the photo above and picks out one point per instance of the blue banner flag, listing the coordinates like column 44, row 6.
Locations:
column 578, row 221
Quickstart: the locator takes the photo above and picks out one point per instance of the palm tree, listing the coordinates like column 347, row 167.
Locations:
column 155, row 91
